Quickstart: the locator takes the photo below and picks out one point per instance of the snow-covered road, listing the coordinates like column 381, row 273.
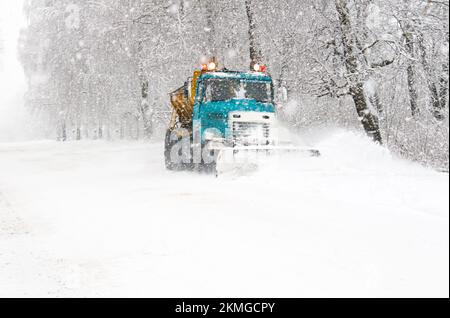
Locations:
column 106, row 219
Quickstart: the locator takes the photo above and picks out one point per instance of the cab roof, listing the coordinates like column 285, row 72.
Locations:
column 251, row 76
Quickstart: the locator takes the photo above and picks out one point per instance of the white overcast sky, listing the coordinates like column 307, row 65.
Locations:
column 12, row 81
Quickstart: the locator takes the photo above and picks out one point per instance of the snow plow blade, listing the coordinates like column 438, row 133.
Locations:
column 270, row 150
column 248, row 159
column 279, row 149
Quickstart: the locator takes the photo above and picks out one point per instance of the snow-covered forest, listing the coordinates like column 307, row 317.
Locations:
column 103, row 69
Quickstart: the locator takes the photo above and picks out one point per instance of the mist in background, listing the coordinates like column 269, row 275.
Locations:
column 14, row 122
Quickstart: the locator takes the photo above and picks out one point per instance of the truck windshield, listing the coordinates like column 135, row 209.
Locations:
column 227, row 89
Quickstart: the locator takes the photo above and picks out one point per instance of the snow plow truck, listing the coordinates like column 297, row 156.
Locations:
column 219, row 114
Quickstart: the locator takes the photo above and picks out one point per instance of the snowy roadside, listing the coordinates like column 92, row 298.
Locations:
column 106, row 219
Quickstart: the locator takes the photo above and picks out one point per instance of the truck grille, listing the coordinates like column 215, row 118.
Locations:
column 249, row 133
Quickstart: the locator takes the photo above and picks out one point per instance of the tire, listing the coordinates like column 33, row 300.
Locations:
column 168, row 145
column 207, row 168
column 167, row 149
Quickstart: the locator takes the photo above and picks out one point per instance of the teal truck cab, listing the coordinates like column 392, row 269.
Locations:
column 219, row 107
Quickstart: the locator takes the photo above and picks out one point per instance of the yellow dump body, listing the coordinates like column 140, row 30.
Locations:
column 184, row 105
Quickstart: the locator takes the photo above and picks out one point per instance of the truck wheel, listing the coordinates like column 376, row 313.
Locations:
column 208, row 168
column 170, row 165
column 168, row 145
column 167, row 149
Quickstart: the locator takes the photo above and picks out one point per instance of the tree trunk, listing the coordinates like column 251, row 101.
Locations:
column 415, row 110
column 362, row 37
column 375, row 100
column 443, row 82
column 435, row 101
column 283, row 85
column 78, row 133
column 368, row 119
column 411, row 73
column 100, row 131
column 211, row 30
column 145, row 106
column 255, row 50
column 62, row 135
